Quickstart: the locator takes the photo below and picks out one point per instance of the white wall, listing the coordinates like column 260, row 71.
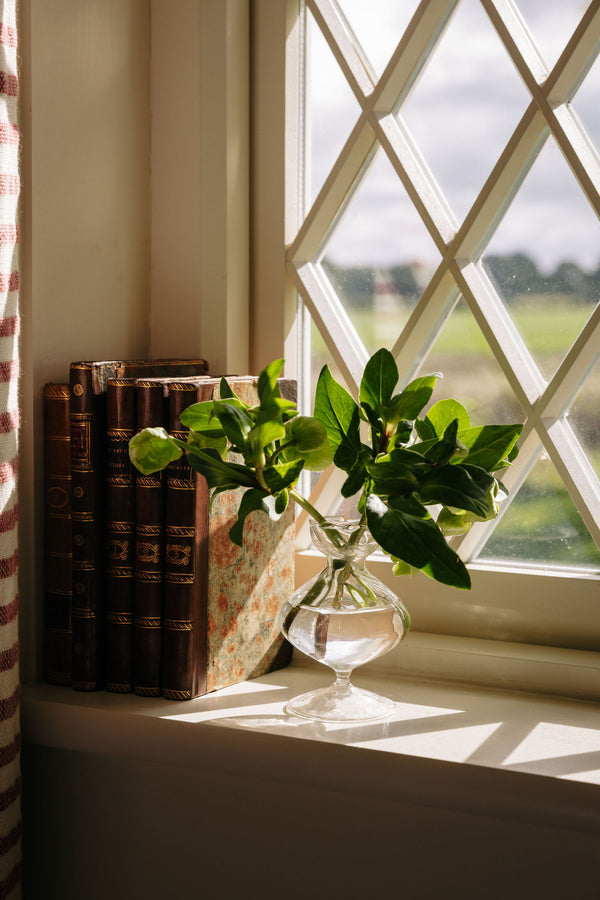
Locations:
column 85, row 232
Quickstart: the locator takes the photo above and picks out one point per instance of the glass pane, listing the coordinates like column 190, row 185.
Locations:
column 378, row 26
column 380, row 257
column 552, row 23
column 585, row 103
column 583, row 417
column 470, row 371
column 544, row 259
column 333, row 110
column 542, row 525
column 465, row 105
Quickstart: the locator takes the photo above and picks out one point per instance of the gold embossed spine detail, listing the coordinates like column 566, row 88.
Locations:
column 149, row 552
column 120, row 533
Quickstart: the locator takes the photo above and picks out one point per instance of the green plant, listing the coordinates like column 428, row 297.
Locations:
column 405, row 465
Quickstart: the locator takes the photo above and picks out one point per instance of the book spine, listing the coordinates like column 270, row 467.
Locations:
column 88, row 425
column 120, row 534
column 149, row 556
column 186, row 547
column 58, row 534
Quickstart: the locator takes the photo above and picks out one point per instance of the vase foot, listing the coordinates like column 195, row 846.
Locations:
column 341, row 703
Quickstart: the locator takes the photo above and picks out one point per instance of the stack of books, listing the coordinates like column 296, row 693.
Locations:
column 144, row 591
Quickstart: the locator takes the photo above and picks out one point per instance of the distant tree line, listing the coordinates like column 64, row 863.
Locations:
column 515, row 276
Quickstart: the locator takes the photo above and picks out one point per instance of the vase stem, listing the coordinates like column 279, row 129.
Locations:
column 342, row 679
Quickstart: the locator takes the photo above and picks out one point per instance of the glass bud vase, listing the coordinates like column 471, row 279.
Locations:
column 344, row 617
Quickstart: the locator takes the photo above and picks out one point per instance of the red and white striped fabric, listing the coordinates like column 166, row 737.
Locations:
column 10, row 691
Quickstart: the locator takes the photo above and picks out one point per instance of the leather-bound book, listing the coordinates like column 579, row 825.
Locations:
column 221, row 601
column 88, row 380
column 149, row 553
column 121, row 421
column 57, row 539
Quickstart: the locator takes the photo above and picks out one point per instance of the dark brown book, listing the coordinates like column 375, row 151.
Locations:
column 149, row 553
column 88, row 380
column 121, row 421
column 57, row 537
column 221, row 601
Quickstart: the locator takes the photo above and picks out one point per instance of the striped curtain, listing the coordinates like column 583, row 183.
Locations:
column 10, row 736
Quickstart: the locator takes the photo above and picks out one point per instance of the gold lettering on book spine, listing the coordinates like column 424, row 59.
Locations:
column 118, row 549
column 148, row 553
column 178, row 554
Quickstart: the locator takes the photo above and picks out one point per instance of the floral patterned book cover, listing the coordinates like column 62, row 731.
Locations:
column 221, row 601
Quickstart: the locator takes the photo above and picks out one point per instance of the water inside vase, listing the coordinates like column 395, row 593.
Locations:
column 344, row 639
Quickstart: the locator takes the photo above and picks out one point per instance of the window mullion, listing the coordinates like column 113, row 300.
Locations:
column 507, row 345
column 344, row 46
column 573, row 369
column 333, row 323
column 575, row 470
column 335, row 193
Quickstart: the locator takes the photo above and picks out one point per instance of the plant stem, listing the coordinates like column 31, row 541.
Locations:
column 307, row 506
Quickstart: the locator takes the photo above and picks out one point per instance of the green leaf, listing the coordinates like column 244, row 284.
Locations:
column 338, row 412
column 225, row 391
column 401, row 436
column 306, row 439
column 252, row 501
column 219, row 473
column 392, row 477
column 314, row 460
column 409, row 403
column 489, row 445
column 379, row 379
column 416, row 541
column 236, row 422
column 201, row 418
column 275, row 410
column 283, row 475
column 443, row 413
column 443, row 450
column 453, row 523
column 454, row 486
column 406, row 456
column 307, row 433
column 204, row 441
column 152, row 449
column 281, row 501
column 356, row 477
column 263, row 436
column 267, row 381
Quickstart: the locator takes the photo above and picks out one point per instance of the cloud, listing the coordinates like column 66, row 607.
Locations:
column 461, row 114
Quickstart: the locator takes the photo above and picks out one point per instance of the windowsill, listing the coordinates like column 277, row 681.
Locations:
column 495, row 752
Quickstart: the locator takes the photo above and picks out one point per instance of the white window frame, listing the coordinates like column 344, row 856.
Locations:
column 521, row 607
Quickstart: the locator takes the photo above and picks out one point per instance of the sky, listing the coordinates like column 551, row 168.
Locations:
column 461, row 113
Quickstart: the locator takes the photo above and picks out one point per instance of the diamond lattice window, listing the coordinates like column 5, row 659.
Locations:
column 452, row 215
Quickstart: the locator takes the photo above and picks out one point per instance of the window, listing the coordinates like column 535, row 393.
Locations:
column 449, row 210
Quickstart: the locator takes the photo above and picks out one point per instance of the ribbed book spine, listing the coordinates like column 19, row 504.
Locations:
column 149, row 554
column 58, row 535
column 120, row 534
column 88, row 425
column 186, row 546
